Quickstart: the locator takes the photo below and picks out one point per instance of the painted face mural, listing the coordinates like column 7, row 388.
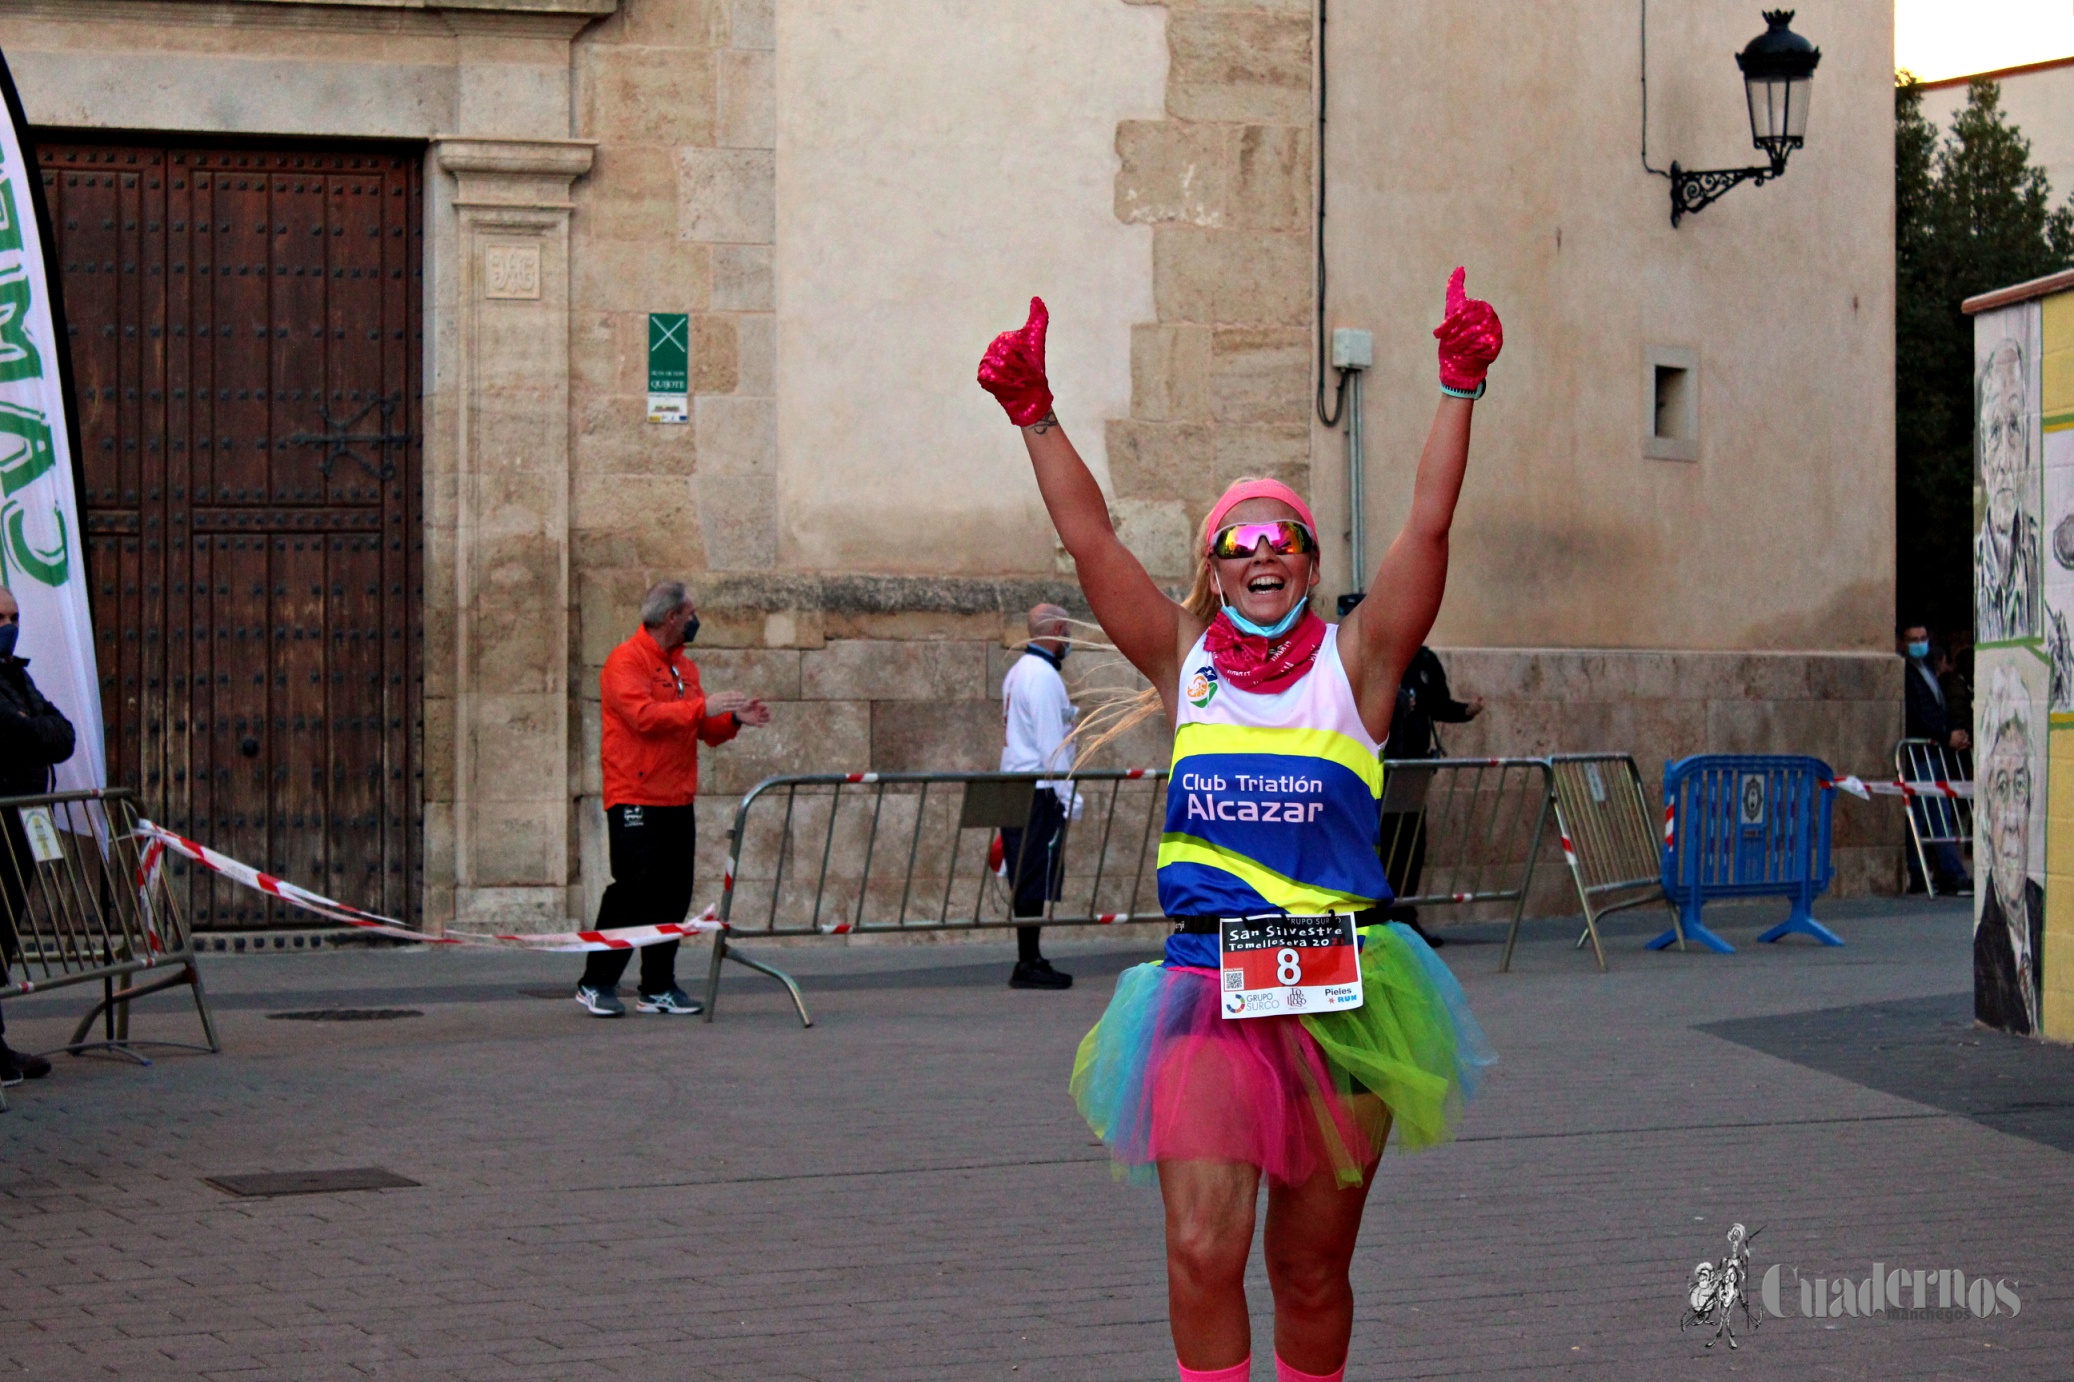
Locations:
column 2006, row 933
column 2007, row 550
column 2007, row 784
column 2002, row 436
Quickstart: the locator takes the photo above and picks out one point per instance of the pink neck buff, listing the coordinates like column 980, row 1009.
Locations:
column 1253, row 663
column 1249, row 661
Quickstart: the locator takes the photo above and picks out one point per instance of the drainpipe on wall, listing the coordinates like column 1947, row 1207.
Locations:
column 1353, row 352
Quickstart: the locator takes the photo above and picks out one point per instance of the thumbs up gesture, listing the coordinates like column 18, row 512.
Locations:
column 1470, row 338
column 1012, row 370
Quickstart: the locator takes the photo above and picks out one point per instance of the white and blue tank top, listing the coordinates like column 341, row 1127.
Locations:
column 1274, row 801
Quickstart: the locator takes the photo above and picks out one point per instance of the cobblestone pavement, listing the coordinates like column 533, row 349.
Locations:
column 905, row 1191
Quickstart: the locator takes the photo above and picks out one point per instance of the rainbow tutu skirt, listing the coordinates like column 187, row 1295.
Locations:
column 1164, row 1076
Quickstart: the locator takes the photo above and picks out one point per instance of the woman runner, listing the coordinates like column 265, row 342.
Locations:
column 1272, row 809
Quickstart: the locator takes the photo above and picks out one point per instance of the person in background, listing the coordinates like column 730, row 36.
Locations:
column 1037, row 717
column 1927, row 714
column 655, row 718
column 35, row 737
column 1423, row 699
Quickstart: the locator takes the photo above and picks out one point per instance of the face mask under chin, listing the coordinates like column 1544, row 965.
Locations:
column 1274, row 630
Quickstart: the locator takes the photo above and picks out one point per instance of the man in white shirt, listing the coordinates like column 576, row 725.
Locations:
column 1037, row 715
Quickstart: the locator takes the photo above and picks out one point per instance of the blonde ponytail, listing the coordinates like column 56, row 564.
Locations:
column 1116, row 713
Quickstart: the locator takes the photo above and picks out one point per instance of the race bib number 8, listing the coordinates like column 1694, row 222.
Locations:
column 1277, row 965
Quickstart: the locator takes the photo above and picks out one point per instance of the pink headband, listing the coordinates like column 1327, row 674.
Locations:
column 1259, row 489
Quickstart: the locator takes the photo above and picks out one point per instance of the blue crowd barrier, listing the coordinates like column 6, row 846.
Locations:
column 1746, row 825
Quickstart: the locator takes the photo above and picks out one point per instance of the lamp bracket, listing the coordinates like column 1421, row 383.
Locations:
column 1695, row 188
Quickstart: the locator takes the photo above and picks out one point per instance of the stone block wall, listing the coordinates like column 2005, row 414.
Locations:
column 879, row 703
column 1221, row 381
column 677, row 215
column 899, row 673
column 1844, row 708
column 864, row 674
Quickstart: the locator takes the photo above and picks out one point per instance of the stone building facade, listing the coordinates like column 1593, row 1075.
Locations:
column 847, row 199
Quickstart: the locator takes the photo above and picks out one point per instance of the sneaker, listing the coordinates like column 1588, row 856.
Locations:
column 24, row 1064
column 600, row 1002
column 1038, row 974
column 9, row 1076
column 674, row 1002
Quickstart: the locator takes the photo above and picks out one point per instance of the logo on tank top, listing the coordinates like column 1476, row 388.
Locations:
column 1202, row 686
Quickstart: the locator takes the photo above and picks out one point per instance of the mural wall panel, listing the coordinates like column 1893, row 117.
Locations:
column 2056, row 426
column 2023, row 571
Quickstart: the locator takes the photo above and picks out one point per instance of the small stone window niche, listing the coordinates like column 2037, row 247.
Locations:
column 1671, row 397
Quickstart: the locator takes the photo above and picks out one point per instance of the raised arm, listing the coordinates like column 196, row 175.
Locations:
column 1138, row 617
column 1388, row 628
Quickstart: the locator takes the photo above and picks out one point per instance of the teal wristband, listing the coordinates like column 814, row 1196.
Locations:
column 1458, row 393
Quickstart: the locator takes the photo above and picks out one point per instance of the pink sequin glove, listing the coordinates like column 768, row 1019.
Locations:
column 1012, row 370
column 1470, row 338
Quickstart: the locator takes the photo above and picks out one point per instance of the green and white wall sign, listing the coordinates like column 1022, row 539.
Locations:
column 669, row 367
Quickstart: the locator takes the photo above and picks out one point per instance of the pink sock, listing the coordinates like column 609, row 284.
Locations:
column 1237, row 1372
column 1285, row 1373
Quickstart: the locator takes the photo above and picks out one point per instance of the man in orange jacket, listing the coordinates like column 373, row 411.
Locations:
column 655, row 717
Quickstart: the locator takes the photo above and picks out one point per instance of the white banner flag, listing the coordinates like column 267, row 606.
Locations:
column 42, row 550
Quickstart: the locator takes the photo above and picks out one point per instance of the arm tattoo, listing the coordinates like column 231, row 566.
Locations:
column 1045, row 423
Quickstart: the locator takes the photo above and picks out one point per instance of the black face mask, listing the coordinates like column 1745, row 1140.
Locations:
column 8, row 633
column 691, row 630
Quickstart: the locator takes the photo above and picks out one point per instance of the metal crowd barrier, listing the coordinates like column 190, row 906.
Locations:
column 859, row 853
column 1937, row 822
column 79, row 902
column 864, row 853
column 1746, row 825
column 1464, row 832
column 1609, row 838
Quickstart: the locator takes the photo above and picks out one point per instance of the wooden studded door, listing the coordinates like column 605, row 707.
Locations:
column 245, row 331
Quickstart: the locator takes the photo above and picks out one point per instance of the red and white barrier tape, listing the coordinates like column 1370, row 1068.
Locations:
column 620, row 938
column 1866, row 791
column 147, row 873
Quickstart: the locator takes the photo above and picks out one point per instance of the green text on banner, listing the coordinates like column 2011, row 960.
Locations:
column 41, row 545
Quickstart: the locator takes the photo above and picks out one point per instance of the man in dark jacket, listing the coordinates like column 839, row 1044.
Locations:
column 1927, row 714
column 1423, row 699
column 34, row 737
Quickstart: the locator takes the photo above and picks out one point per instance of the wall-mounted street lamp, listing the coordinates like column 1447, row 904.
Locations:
column 1778, row 75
